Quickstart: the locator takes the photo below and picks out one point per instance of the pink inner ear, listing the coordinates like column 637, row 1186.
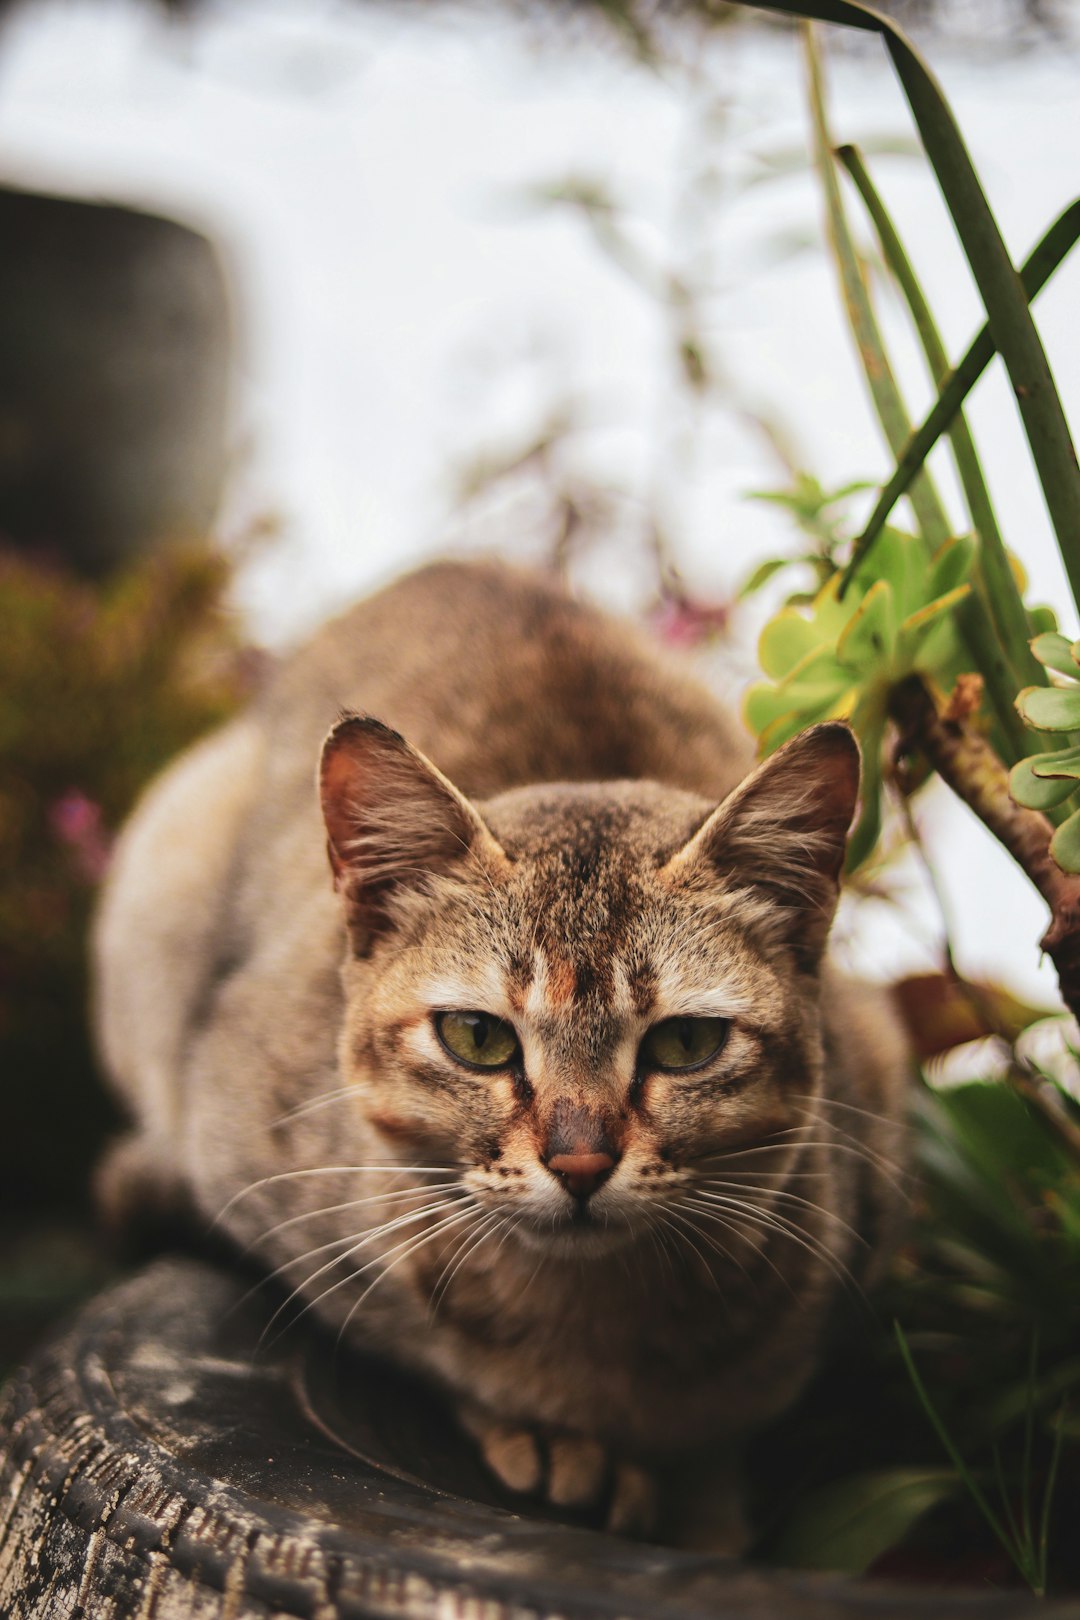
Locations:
column 391, row 817
column 784, row 831
column 340, row 779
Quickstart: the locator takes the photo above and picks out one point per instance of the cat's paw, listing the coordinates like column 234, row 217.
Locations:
column 568, row 1470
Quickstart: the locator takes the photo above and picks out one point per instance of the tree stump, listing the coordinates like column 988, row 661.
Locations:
column 155, row 1463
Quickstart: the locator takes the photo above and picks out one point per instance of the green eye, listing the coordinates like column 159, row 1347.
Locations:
column 477, row 1038
column 683, row 1043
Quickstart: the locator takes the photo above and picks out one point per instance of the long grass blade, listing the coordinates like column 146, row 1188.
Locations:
column 996, row 584
column 974, row 621
column 1011, row 324
column 978, row 1496
column 1049, row 253
column 884, row 389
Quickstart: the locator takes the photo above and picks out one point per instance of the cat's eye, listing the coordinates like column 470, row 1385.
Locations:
column 477, row 1038
column 683, row 1043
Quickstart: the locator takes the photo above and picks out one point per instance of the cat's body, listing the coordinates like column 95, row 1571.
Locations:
column 622, row 1244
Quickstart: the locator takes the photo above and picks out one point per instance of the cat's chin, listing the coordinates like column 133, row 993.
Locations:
column 574, row 1239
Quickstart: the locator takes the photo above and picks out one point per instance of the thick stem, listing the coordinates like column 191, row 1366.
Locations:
column 966, row 761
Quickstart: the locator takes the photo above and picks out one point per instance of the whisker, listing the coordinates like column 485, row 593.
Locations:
column 409, row 1247
column 744, row 1237
column 471, row 1242
column 877, row 1161
column 407, row 1244
column 788, row 1197
column 355, row 1203
column 775, row 1222
column 848, row 1107
column 351, row 1245
column 312, row 1104
column 670, row 1216
column 390, row 1167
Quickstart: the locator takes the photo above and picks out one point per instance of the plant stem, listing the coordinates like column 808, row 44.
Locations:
column 967, row 762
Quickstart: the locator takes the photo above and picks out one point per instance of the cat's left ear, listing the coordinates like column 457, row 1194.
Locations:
column 783, row 832
column 393, row 821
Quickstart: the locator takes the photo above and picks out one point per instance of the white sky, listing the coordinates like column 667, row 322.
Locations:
column 400, row 308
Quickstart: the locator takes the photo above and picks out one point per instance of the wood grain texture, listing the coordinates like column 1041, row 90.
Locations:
column 153, row 1468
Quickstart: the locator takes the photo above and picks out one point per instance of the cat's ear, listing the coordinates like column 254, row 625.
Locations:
column 392, row 822
column 782, row 834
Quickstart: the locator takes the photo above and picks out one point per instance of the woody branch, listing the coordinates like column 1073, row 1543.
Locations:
column 963, row 757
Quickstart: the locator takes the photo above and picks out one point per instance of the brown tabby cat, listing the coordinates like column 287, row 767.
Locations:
column 552, row 1100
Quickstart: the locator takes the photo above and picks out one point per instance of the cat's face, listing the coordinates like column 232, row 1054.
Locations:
column 584, row 996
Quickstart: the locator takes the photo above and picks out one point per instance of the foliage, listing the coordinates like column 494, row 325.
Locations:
column 1046, row 781
column 986, row 1290
column 842, row 658
column 100, row 686
column 985, row 1293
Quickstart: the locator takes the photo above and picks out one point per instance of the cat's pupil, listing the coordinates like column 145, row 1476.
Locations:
column 479, row 1028
column 686, row 1035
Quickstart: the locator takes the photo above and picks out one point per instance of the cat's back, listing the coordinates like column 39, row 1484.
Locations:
column 503, row 679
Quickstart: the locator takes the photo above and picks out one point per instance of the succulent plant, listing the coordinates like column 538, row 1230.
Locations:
column 842, row 657
column 1045, row 781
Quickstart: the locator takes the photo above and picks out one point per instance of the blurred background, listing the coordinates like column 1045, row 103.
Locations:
column 294, row 294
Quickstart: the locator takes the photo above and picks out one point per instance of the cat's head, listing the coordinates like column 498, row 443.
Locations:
column 579, row 995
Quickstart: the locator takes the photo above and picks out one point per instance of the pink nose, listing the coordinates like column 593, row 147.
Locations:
column 581, row 1173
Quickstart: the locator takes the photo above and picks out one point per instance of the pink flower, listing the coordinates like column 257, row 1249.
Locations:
column 682, row 622
column 77, row 822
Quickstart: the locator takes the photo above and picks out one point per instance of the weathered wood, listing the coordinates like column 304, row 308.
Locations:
column 154, row 1464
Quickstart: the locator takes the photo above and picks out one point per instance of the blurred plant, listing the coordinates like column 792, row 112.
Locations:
column 990, row 1269
column 100, row 686
column 921, row 639
column 845, row 656
column 904, row 620
column 1048, row 780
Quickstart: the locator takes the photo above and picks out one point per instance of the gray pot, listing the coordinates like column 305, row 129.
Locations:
column 114, row 365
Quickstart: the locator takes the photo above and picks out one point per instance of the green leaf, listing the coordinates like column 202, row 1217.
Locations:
column 786, row 726
column 1066, row 762
column 849, row 1524
column 902, row 559
column 869, row 725
column 1056, row 652
column 817, row 678
column 869, row 637
column 1050, row 708
column 953, row 565
column 1065, row 844
column 917, row 626
column 1041, row 618
column 785, row 641
column 1035, row 792
column 762, row 704
column 761, row 576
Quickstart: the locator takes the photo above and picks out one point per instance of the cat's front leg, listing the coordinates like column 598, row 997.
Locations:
column 568, row 1470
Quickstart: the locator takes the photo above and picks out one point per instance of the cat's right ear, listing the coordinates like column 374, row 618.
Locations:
column 782, row 833
column 393, row 821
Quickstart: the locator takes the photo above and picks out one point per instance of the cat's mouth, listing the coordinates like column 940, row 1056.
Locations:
column 578, row 1232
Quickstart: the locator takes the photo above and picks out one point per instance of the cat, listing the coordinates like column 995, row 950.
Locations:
column 512, row 1050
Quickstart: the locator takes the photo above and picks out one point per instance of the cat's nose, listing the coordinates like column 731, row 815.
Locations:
column 582, row 1173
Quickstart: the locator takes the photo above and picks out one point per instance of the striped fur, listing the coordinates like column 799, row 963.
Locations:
column 571, row 841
